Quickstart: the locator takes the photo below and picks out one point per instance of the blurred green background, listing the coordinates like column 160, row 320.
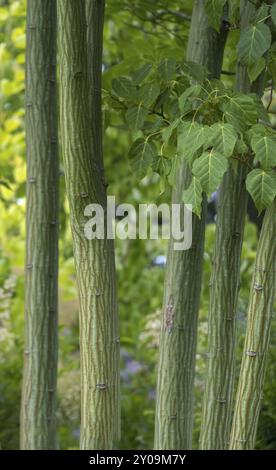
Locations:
column 130, row 38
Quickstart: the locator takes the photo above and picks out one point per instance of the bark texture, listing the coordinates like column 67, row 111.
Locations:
column 260, row 310
column 175, row 380
column 38, row 407
column 225, row 282
column 81, row 139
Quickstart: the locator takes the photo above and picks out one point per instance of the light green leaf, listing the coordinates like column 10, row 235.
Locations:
column 167, row 68
column 148, row 93
column 124, row 88
column 273, row 13
column 167, row 132
column 214, row 10
column 254, row 70
column 223, row 138
column 253, row 43
column 262, row 187
column 193, row 91
column 136, row 116
column 265, row 150
column 261, row 13
column 209, row 170
column 141, row 156
column 194, row 70
column 193, row 195
column 139, row 75
column 191, row 136
column 240, row 111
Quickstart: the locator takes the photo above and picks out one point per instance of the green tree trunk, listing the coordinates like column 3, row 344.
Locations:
column 175, row 380
column 81, row 143
column 38, row 407
column 225, row 280
column 260, row 310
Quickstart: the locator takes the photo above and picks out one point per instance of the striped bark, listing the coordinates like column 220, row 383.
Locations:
column 225, row 281
column 38, row 408
column 260, row 310
column 176, row 370
column 81, row 139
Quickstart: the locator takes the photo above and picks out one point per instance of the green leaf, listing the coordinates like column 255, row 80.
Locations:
column 167, row 68
column 253, row 43
column 214, row 10
column 273, row 13
column 254, row 70
column 191, row 136
column 209, row 170
column 167, row 132
column 262, row 187
column 223, row 138
column 240, row 111
column 136, row 116
column 193, row 195
column 261, row 13
column 139, row 75
column 141, row 156
column 265, row 150
column 149, row 93
column 124, row 88
column 161, row 165
column 194, row 70
column 193, row 91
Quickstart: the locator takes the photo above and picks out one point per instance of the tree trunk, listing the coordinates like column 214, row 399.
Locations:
column 81, row 138
column 260, row 310
column 38, row 408
column 225, row 281
column 175, row 380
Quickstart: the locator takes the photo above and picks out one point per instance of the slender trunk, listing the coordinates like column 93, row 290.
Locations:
column 38, row 408
column 94, row 259
column 262, row 294
column 175, row 381
column 225, row 280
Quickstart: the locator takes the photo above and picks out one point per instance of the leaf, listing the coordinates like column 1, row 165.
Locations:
column 273, row 13
column 256, row 69
column 139, row 75
column 167, row 68
column 253, row 43
column 193, row 91
column 262, row 187
column 190, row 138
column 209, row 170
column 223, row 138
column 141, row 155
column 136, row 116
column 124, row 88
column 240, row 111
column 149, row 93
column 161, row 165
column 214, row 10
column 194, row 70
column 265, row 150
column 261, row 13
column 193, row 195
column 167, row 132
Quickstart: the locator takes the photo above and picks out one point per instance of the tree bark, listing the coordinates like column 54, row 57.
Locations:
column 225, row 281
column 81, row 138
column 38, row 407
column 176, row 370
column 260, row 310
